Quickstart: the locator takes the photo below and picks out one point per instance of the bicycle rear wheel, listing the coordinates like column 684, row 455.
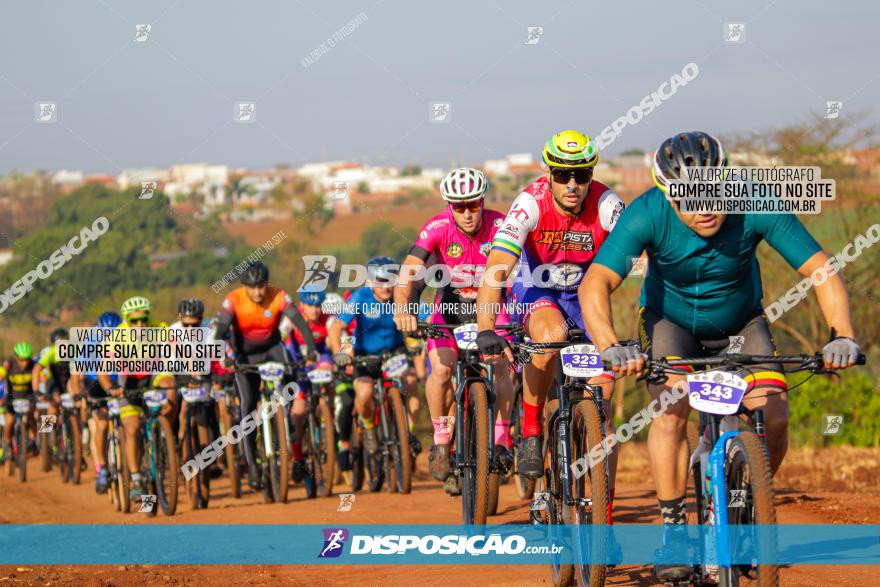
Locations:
column 747, row 469
column 400, row 450
column 592, row 487
column 475, row 474
column 63, row 452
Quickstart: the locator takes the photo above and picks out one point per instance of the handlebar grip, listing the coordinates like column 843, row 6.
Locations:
column 861, row 360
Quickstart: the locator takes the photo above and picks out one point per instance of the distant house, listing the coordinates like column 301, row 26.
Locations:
column 160, row 260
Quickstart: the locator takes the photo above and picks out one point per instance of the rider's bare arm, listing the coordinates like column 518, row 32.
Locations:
column 832, row 296
column 499, row 265
column 334, row 335
column 403, row 292
column 594, row 295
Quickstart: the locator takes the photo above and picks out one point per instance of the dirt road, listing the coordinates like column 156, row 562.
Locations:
column 801, row 498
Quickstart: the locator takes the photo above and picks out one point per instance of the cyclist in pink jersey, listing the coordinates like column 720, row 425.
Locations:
column 557, row 223
column 459, row 238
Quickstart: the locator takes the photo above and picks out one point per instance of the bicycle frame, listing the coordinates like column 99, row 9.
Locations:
column 467, row 372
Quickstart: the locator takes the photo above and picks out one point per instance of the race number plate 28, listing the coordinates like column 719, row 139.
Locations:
column 581, row 360
column 466, row 337
column 716, row 392
column 395, row 366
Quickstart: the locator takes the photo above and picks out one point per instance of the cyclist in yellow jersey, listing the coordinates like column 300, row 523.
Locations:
column 136, row 314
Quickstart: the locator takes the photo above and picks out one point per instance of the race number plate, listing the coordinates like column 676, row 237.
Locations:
column 395, row 366
column 42, row 405
column 320, row 376
column 194, row 394
column 113, row 407
column 154, row 398
column 67, row 400
column 466, row 337
column 581, row 360
column 21, row 406
column 273, row 371
column 219, row 395
column 716, row 392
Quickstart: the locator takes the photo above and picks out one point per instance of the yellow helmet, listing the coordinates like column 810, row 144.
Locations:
column 570, row 149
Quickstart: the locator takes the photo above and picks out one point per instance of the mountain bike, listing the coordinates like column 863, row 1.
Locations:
column 319, row 436
column 393, row 460
column 117, row 470
column 158, row 467
column 15, row 454
column 474, row 461
column 572, row 430
column 731, row 467
column 273, row 432
column 228, row 415
column 69, row 440
column 198, row 432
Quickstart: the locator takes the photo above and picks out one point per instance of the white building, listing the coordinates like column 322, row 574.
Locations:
column 68, row 178
column 134, row 177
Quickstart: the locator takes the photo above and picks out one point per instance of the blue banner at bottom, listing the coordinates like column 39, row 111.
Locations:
column 433, row 544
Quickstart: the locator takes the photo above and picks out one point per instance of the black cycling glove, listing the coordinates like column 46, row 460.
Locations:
column 491, row 343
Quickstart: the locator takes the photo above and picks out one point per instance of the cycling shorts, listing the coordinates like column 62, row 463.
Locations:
column 532, row 299
column 663, row 338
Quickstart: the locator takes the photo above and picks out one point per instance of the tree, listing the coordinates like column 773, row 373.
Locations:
column 383, row 238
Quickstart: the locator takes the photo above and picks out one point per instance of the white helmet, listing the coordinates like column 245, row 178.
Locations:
column 464, row 184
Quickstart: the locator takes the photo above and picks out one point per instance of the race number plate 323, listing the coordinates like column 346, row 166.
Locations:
column 581, row 360
column 716, row 392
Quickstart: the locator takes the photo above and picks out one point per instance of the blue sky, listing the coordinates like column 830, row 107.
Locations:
column 171, row 99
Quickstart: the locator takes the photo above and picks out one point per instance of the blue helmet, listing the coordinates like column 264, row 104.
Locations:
column 382, row 268
column 109, row 320
column 312, row 298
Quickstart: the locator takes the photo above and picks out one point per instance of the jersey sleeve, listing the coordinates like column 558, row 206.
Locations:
column 519, row 222
column 786, row 234
column 426, row 241
column 350, row 309
column 633, row 232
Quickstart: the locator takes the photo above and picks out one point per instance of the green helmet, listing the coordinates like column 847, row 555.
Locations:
column 135, row 304
column 23, row 350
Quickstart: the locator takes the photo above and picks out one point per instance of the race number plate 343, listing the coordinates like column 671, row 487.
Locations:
column 716, row 392
column 395, row 366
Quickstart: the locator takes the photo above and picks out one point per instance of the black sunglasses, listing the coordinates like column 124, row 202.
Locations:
column 143, row 320
column 563, row 175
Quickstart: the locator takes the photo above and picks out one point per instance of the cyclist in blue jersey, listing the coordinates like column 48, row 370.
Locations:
column 702, row 287
column 97, row 420
column 374, row 334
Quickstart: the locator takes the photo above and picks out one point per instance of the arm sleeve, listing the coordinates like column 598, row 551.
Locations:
column 292, row 313
column 519, row 222
column 610, row 209
column 224, row 319
column 786, row 234
column 633, row 231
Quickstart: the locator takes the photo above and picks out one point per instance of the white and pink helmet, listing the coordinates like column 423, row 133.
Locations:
column 464, row 184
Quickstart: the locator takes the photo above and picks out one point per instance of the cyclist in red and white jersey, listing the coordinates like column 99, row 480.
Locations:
column 556, row 224
column 459, row 238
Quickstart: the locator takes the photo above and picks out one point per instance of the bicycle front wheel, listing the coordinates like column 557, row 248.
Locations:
column 165, row 461
column 22, row 450
column 590, row 492
column 750, row 501
column 322, row 449
column 475, row 473
column 279, row 464
column 400, row 451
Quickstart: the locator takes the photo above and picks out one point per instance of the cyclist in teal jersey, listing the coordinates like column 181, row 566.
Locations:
column 703, row 286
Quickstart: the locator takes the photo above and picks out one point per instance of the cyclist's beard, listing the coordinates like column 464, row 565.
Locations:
column 563, row 202
column 476, row 228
